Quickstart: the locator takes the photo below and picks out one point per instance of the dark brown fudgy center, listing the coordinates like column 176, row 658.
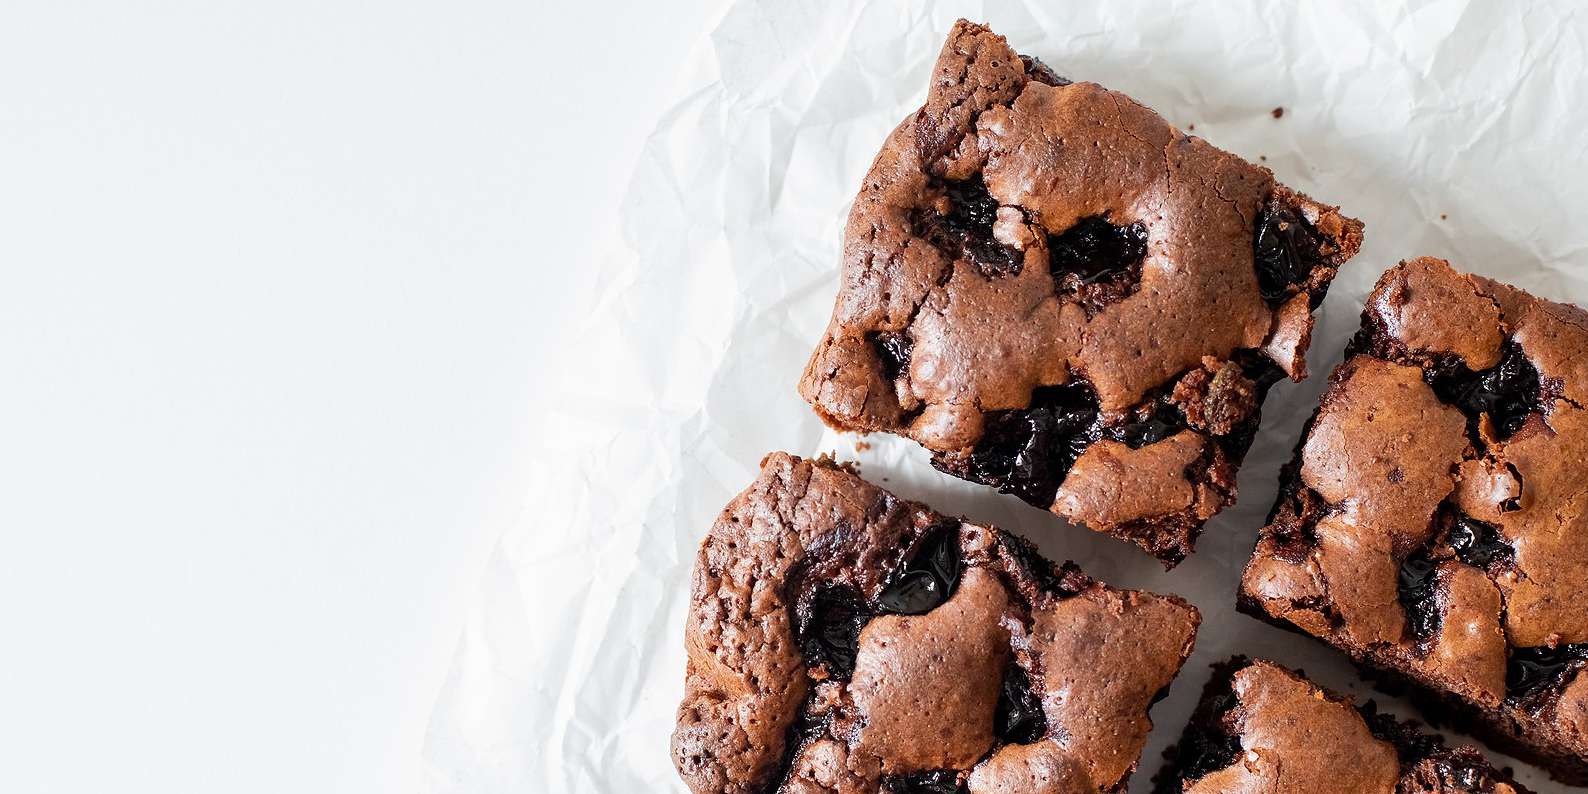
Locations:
column 1294, row 516
column 1037, row 573
column 1460, row 769
column 1040, row 72
column 1210, row 745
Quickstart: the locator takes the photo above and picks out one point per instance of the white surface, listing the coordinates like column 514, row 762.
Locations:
column 1453, row 128
column 278, row 285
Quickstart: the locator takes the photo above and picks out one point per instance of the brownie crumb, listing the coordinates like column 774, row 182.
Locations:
column 1216, row 397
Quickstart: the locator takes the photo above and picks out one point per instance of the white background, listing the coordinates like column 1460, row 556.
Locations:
column 278, row 285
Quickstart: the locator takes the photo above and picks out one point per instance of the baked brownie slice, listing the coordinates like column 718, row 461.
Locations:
column 843, row 640
column 1064, row 297
column 1263, row 728
column 1434, row 522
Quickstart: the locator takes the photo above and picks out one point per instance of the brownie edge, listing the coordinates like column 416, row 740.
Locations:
column 1263, row 728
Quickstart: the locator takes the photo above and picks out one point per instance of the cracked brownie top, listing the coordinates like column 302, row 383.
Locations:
column 843, row 640
column 1042, row 276
column 1435, row 518
column 1263, row 728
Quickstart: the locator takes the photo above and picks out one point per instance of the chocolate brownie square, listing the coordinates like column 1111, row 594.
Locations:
column 1066, row 298
column 841, row 640
column 1263, row 728
column 1434, row 521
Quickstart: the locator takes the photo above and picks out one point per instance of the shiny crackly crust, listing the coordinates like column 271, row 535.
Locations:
column 1291, row 735
column 917, row 698
column 1051, row 155
column 1385, row 465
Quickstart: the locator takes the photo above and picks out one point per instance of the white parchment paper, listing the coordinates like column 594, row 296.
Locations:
column 1453, row 128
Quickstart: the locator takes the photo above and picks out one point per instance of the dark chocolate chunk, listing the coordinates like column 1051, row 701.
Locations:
column 937, row 781
column 1479, row 544
column 828, row 628
column 1285, row 250
column 1019, row 718
column 1097, row 262
column 965, row 232
column 1417, row 584
column 1164, row 421
column 1508, row 391
column 1094, row 249
column 1536, row 672
column 1028, row 452
column 894, row 350
column 829, row 619
column 930, row 576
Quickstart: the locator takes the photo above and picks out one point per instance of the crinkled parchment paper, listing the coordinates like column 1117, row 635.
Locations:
column 1453, row 128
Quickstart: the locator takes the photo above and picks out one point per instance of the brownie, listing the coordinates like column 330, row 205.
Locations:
column 841, row 639
column 1434, row 521
column 1064, row 297
column 1263, row 728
